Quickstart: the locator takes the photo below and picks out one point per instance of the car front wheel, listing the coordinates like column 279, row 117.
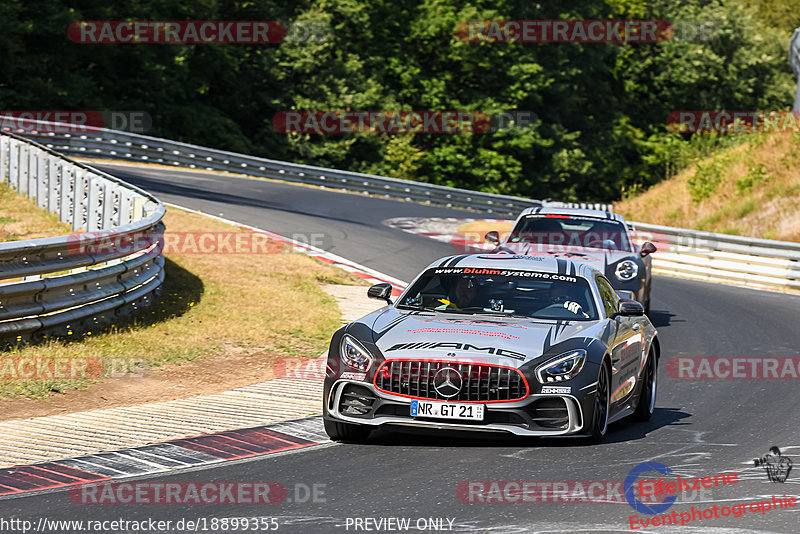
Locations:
column 346, row 432
column 602, row 403
column 647, row 398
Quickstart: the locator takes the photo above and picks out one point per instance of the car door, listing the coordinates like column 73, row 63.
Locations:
column 626, row 346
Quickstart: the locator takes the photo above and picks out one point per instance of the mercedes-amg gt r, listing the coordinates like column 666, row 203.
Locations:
column 534, row 346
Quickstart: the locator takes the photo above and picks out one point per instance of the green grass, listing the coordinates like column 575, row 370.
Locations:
column 747, row 207
column 21, row 218
column 268, row 304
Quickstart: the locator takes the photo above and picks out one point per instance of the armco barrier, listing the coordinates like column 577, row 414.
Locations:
column 722, row 258
column 60, row 286
column 758, row 263
column 114, row 144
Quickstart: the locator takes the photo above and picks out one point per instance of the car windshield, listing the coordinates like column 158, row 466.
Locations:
column 502, row 292
column 571, row 231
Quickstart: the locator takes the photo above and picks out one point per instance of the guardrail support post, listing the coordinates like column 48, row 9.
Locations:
column 138, row 208
column 13, row 164
column 42, row 179
column 4, row 145
column 94, row 204
column 22, row 181
column 65, row 203
column 53, row 186
column 110, row 193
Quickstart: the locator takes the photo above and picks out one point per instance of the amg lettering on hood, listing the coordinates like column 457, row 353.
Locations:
column 457, row 346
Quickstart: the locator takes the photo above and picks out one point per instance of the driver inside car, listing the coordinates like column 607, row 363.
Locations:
column 561, row 295
column 464, row 294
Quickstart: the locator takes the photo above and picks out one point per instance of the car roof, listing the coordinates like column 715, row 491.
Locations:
column 545, row 263
column 579, row 212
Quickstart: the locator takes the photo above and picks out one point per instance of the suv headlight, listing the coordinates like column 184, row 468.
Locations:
column 353, row 354
column 562, row 367
column 627, row 270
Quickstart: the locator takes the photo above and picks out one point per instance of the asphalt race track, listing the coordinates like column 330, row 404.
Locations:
column 700, row 428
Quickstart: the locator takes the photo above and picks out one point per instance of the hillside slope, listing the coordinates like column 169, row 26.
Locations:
column 752, row 190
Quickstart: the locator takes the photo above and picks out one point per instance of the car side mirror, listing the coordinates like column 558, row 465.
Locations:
column 381, row 292
column 493, row 237
column 648, row 248
column 629, row 308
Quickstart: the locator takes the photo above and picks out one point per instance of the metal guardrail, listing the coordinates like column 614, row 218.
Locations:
column 722, row 258
column 71, row 284
column 759, row 263
column 115, row 144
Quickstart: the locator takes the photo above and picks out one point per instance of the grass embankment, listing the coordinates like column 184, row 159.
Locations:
column 261, row 305
column 751, row 190
column 21, row 218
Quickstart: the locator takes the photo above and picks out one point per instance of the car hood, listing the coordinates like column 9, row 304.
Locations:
column 598, row 258
column 479, row 339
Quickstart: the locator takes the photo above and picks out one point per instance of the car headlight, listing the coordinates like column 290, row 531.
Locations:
column 353, row 354
column 627, row 270
column 562, row 367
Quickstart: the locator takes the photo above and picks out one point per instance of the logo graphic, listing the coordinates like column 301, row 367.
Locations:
column 558, row 390
column 630, row 482
column 447, row 382
column 778, row 467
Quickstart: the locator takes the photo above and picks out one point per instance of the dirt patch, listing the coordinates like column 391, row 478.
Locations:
column 230, row 368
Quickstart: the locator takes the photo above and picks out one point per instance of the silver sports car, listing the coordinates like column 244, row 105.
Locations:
column 535, row 346
column 597, row 238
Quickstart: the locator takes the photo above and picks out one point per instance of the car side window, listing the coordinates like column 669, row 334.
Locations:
column 608, row 296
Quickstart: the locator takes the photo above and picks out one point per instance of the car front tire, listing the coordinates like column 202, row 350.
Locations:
column 602, row 405
column 346, row 432
column 647, row 397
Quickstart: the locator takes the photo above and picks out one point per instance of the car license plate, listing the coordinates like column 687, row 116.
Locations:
column 447, row 410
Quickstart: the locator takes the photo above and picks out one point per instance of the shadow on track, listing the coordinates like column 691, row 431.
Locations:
column 621, row 431
column 661, row 318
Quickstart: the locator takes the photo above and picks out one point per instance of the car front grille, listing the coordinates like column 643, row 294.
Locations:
column 478, row 382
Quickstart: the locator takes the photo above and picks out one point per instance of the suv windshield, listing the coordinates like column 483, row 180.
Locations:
column 502, row 292
column 571, row 231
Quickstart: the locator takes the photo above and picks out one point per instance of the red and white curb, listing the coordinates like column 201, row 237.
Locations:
column 268, row 417
column 162, row 457
column 445, row 230
column 301, row 386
